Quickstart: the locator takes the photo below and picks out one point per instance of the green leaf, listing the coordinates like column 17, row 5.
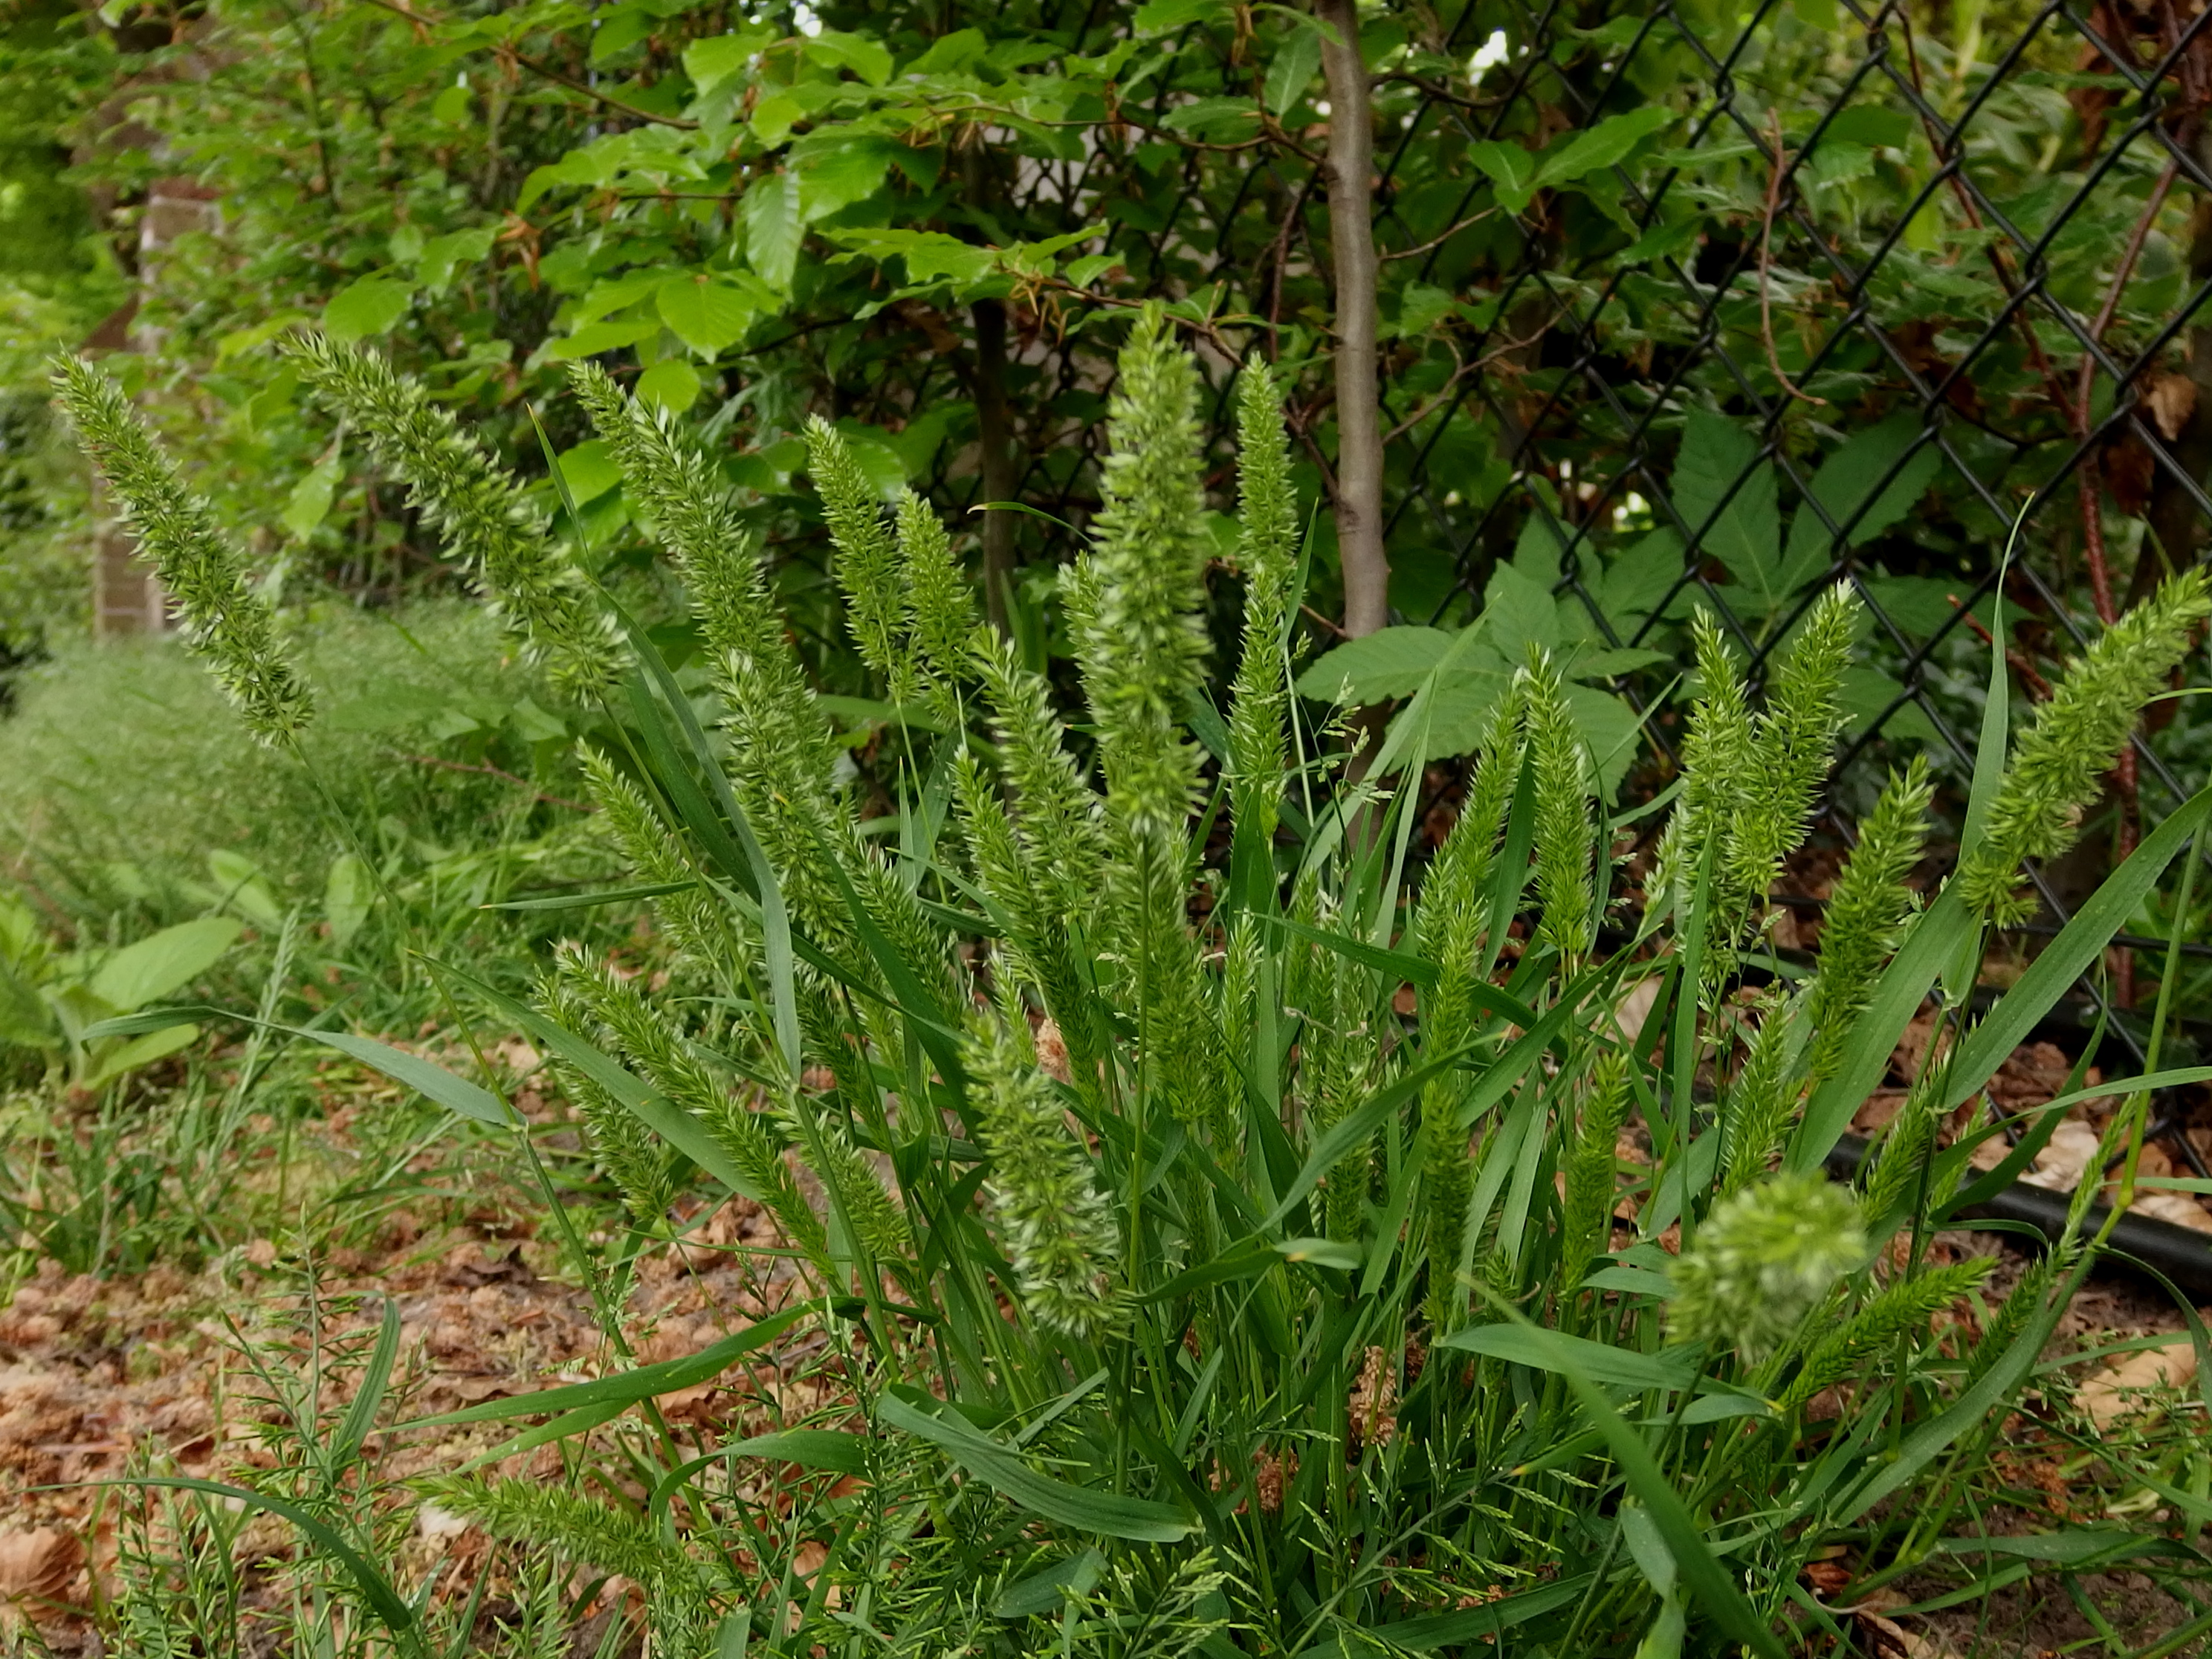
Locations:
column 1844, row 483
column 594, row 338
column 705, row 314
column 1162, row 16
column 997, row 1465
column 348, row 895
column 773, row 229
column 671, row 384
column 442, row 255
column 309, row 503
column 835, row 1449
column 144, row 1051
column 1897, row 997
column 364, row 309
column 1550, row 1351
column 1512, row 171
column 589, row 471
column 837, row 168
column 1391, row 662
column 625, row 1388
column 1745, row 535
column 1601, row 146
column 713, row 60
column 1292, row 69
column 162, row 962
column 457, row 1095
column 865, row 57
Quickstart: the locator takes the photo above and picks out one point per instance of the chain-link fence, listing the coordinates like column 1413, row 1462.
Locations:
column 1867, row 296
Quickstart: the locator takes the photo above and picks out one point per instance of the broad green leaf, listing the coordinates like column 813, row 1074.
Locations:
column 1719, row 464
column 1391, row 662
column 837, row 168
column 1847, row 482
column 612, row 335
column 1511, row 170
column 1160, row 16
column 443, row 255
column 589, row 471
column 309, row 503
column 1612, row 730
column 243, row 888
column 713, row 60
column 1087, row 1509
column 348, row 895
column 1292, row 69
column 773, row 229
column 1601, row 146
column 366, row 308
column 162, row 962
column 836, row 1450
column 705, row 314
column 671, row 384
column 866, row 57
column 141, row 1051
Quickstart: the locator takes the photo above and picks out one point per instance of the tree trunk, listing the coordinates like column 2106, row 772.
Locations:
column 1351, row 244
column 994, row 427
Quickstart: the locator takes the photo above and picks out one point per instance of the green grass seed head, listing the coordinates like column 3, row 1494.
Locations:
column 226, row 622
column 1762, row 1261
column 2059, row 763
column 528, row 576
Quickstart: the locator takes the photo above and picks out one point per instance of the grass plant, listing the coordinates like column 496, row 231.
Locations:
column 1182, row 1295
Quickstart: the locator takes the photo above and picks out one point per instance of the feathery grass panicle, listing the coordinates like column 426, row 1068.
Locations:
column 1794, row 736
column 870, row 1213
column 943, row 603
column 1061, row 1231
column 1901, row 1163
column 582, row 1529
column 681, row 491
column 1764, row 1259
column 1719, row 763
column 1564, row 835
column 1901, row 1309
column 1762, row 1101
column 226, row 624
column 705, row 930
column 1142, row 640
column 1058, row 813
column 636, row 1162
column 1266, row 548
column 668, row 1063
column 1592, row 1188
column 528, row 576
column 1867, row 910
column 866, row 568
column 1455, row 911
column 2059, row 763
